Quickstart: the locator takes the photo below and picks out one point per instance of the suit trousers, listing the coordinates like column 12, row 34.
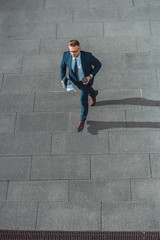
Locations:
column 85, row 91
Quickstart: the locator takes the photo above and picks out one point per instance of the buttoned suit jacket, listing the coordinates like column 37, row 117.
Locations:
column 90, row 65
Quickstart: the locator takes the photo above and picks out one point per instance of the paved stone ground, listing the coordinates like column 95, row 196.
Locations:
column 108, row 176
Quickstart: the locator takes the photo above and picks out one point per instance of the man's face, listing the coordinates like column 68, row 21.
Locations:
column 74, row 51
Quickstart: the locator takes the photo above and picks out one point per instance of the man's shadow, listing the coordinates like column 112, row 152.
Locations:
column 95, row 126
column 129, row 101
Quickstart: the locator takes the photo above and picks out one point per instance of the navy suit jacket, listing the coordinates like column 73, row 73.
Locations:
column 90, row 65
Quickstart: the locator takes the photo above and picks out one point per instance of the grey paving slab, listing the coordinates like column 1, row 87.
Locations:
column 127, row 29
column 141, row 13
column 119, row 100
column 36, row 16
column 134, row 142
column 88, row 29
column 140, row 61
column 34, row 122
column 95, row 15
column 143, row 115
column 145, row 189
column 28, row 31
column 109, row 62
column 7, row 122
column 15, row 168
column 155, row 165
column 143, row 119
column 10, row 64
column 106, row 3
column 151, row 95
column 27, row 47
column 121, row 104
column 25, row 144
column 151, row 108
column 61, row 167
column 155, row 60
column 130, row 216
column 131, row 79
column 99, row 82
column 120, row 166
column 73, row 143
column 3, row 190
column 154, row 44
column 146, row 2
column 18, row 215
column 20, row 4
column 143, row 44
column 28, row 83
column 1, row 79
column 38, row 191
column 99, row 120
column 155, row 28
column 154, row 12
column 57, row 102
column 118, row 94
column 42, row 64
column 69, row 216
column 112, row 45
column 148, row 44
column 49, row 4
column 106, row 120
column 57, row 46
column 94, row 190
column 107, row 115
column 16, row 102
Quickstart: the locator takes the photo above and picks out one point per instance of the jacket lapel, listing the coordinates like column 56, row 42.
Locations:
column 70, row 68
column 70, row 62
column 83, row 61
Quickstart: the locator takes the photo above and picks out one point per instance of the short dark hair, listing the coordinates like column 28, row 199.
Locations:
column 73, row 43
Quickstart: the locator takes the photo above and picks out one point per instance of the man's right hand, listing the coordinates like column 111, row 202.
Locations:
column 62, row 84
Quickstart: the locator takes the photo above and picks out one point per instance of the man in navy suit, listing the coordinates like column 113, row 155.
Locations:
column 83, row 67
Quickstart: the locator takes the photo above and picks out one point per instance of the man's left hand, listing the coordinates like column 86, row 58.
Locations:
column 88, row 79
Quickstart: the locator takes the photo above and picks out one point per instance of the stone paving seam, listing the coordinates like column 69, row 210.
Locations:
column 44, row 4
column 40, row 42
column 15, row 123
column 150, row 164
column 37, row 212
column 101, row 218
column 30, row 173
column 7, row 190
column 131, row 189
column 2, row 82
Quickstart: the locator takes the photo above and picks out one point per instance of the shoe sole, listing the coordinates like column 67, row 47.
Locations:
column 79, row 130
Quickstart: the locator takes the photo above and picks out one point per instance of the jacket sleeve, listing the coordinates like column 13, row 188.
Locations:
column 96, row 63
column 63, row 68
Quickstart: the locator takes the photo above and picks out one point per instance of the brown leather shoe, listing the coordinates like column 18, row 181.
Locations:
column 93, row 100
column 80, row 125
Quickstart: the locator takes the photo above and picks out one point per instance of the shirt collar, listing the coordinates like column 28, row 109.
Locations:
column 78, row 58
